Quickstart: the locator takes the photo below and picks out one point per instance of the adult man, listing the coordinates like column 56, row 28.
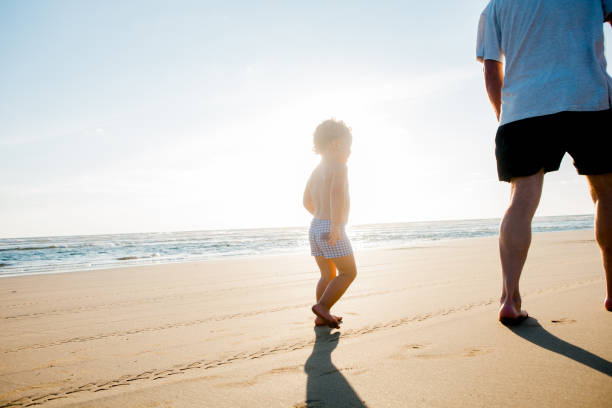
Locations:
column 553, row 96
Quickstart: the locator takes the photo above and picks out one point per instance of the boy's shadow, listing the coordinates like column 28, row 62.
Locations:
column 326, row 386
column 532, row 331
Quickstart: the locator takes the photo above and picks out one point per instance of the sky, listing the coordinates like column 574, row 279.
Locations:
column 142, row 116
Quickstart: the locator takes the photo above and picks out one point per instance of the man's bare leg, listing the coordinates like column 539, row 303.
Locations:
column 347, row 271
column 514, row 241
column 328, row 273
column 601, row 192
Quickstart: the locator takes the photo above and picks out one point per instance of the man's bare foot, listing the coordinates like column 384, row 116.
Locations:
column 327, row 317
column 510, row 315
column 608, row 304
column 321, row 322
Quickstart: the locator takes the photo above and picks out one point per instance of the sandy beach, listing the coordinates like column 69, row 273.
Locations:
column 419, row 329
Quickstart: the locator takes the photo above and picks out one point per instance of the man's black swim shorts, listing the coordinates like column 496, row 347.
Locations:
column 524, row 147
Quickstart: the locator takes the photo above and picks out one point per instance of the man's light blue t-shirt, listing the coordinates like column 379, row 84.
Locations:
column 553, row 52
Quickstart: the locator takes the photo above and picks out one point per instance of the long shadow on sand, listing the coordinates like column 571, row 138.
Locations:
column 326, row 386
column 532, row 331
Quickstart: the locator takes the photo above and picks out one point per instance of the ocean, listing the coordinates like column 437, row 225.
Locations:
column 26, row 256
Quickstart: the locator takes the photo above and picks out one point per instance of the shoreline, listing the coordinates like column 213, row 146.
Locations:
column 306, row 250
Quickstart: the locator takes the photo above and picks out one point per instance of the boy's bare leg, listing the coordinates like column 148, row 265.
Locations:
column 347, row 271
column 514, row 241
column 328, row 273
column 601, row 192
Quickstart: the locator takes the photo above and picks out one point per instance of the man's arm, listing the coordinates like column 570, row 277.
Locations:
column 494, row 81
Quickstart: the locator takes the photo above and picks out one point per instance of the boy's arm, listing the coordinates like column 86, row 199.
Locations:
column 337, row 202
column 308, row 204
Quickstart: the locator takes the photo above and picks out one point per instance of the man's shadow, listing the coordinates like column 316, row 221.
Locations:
column 532, row 331
column 326, row 386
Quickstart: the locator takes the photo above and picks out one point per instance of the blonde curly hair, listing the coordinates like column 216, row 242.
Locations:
column 327, row 131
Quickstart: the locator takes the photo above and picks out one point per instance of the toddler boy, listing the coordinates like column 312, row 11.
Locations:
column 326, row 197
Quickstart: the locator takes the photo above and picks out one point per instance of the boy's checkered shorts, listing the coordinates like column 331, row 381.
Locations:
column 318, row 236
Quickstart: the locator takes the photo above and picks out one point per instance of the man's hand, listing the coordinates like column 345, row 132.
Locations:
column 334, row 234
column 494, row 81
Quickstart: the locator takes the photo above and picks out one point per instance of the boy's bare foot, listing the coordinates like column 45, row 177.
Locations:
column 510, row 315
column 608, row 304
column 321, row 322
column 323, row 314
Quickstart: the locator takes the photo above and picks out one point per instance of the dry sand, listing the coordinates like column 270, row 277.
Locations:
column 419, row 329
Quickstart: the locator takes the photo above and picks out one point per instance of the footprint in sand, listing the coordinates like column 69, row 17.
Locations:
column 283, row 370
column 563, row 320
column 413, row 346
column 467, row 352
column 476, row 351
column 255, row 379
column 402, row 355
column 310, row 404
